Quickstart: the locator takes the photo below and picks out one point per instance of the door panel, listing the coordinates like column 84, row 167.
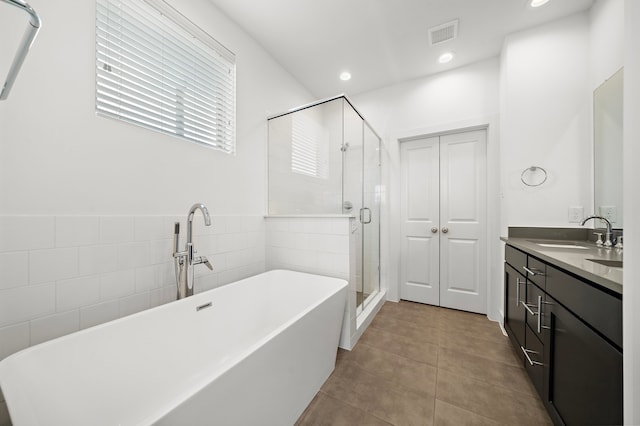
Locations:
column 462, row 279
column 420, row 213
column 462, row 212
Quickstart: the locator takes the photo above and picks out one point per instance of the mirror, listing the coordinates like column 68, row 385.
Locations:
column 607, row 141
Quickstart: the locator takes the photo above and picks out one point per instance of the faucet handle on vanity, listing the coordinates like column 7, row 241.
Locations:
column 599, row 241
column 619, row 243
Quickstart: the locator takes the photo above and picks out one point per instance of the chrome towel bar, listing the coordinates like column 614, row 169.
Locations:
column 25, row 44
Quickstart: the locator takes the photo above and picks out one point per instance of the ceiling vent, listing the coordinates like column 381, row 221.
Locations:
column 444, row 32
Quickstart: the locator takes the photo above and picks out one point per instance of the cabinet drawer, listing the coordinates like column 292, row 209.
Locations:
column 515, row 258
column 601, row 310
column 539, row 270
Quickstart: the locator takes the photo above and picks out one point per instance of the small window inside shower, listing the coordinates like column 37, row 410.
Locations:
column 157, row 69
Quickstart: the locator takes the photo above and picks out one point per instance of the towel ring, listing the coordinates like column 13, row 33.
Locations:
column 533, row 169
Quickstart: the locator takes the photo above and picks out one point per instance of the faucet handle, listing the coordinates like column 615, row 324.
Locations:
column 619, row 243
column 599, row 241
column 203, row 259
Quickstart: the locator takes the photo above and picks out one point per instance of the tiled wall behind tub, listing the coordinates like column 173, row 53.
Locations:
column 319, row 245
column 59, row 274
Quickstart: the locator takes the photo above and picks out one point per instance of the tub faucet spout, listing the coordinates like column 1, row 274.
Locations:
column 186, row 260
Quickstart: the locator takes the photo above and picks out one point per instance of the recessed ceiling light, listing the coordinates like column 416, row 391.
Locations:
column 345, row 75
column 538, row 3
column 445, row 57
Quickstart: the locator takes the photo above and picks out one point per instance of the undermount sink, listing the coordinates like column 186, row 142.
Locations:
column 559, row 244
column 606, row 262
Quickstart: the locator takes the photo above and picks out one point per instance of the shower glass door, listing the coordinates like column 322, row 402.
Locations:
column 370, row 216
column 361, row 184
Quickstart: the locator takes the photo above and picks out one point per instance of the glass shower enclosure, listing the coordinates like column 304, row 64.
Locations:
column 324, row 159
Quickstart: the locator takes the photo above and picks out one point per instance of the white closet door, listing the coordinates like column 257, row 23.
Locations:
column 463, row 248
column 443, row 258
column 420, row 221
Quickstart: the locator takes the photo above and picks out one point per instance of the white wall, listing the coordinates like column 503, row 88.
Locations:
column 460, row 98
column 545, row 113
column 606, row 40
column 631, row 298
column 58, row 157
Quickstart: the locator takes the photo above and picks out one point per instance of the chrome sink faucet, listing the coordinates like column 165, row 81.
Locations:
column 607, row 241
column 184, row 261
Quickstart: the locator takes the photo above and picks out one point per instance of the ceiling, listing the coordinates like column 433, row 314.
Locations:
column 381, row 42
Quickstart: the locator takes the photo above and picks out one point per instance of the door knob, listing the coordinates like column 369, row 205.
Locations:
column 434, row 229
column 445, row 230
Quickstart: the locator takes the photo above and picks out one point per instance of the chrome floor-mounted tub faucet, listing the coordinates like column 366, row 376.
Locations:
column 186, row 260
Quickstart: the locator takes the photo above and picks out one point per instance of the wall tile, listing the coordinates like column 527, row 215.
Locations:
column 148, row 278
column 50, row 327
column 97, row 259
column 133, row 304
column 133, row 255
column 253, row 223
column 27, row 302
column 26, row 233
column 206, row 244
column 218, row 225
column 116, row 229
column 340, row 227
column 53, row 264
column 225, row 243
column 167, row 274
column 13, row 338
column 233, row 224
column 14, row 269
column 68, row 272
column 74, row 231
column 77, row 292
column 161, row 251
column 98, row 314
column 117, row 284
column 147, row 228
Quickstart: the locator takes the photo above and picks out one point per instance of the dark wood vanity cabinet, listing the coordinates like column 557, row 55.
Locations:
column 568, row 333
column 584, row 381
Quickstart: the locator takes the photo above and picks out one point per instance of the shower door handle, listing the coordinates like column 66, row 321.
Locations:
column 362, row 211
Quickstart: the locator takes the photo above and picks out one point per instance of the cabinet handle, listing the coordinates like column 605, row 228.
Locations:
column 526, row 306
column 539, row 314
column 445, row 230
column 518, row 291
column 434, row 230
column 526, row 354
column 533, row 272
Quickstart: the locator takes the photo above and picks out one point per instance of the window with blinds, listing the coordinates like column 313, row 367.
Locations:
column 156, row 69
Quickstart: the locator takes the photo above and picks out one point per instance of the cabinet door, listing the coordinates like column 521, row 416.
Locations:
column 534, row 360
column 514, row 320
column 585, row 376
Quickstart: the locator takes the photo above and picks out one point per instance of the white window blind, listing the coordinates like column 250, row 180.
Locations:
column 156, row 69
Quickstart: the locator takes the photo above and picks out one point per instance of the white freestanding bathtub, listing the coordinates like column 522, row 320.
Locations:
column 251, row 353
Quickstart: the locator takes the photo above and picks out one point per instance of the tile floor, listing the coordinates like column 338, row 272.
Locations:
column 423, row 365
